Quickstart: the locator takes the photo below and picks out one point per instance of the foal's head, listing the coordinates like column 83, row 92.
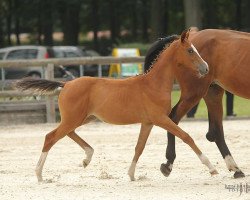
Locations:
column 188, row 56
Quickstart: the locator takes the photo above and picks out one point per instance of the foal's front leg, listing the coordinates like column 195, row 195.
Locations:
column 142, row 139
column 178, row 111
column 166, row 123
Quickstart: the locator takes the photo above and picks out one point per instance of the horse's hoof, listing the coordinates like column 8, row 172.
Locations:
column 165, row 169
column 239, row 174
column 214, row 172
column 85, row 163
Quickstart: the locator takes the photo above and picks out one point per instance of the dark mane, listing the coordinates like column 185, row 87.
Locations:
column 155, row 50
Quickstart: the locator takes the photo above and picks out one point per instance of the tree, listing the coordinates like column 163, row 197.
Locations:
column 165, row 16
column 193, row 15
column 95, row 22
column 210, row 11
column 238, row 24
column 39, row 22
column 246, row 15
column 69, row 14
column 9, row 20
column 114, row 11
column 1, row 24
column 16, row 10
column 47, row 22
column 156, row 19
column 133, row 19
column 145, row 17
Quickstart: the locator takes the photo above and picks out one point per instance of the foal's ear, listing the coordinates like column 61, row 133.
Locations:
column 185, row 35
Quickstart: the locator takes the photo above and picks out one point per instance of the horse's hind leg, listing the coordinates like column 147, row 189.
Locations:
column 85, row 146
column 50, row 139
column 143, row 136
column 215, row 133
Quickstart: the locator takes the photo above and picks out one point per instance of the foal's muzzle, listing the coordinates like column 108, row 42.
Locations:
column 203, row 69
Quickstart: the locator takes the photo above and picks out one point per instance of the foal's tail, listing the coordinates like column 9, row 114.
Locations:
column 38, row 86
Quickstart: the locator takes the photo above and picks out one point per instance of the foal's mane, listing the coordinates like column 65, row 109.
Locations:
column 156, row 49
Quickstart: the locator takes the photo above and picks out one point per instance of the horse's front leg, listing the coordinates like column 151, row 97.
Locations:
column 142, row 139
column 215, row 133
column 178, row 111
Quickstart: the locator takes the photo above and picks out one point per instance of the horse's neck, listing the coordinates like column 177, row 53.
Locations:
column 161, row 75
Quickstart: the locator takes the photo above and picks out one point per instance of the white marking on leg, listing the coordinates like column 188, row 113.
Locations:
column 131, row 171
column 206, row 162
column 39, row 166
column 170, row 167
column 89, row 153
column 231, row 165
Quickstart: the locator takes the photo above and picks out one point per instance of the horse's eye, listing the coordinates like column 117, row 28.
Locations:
column 190, row 51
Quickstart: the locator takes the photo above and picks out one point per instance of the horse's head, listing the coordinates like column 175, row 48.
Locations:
column 189, row 56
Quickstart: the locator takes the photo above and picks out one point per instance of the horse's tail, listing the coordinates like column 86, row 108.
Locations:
column 38, row 86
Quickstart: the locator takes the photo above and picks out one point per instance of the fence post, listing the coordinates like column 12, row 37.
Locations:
column 99, row 70
column 81, row 67
column 50, row 102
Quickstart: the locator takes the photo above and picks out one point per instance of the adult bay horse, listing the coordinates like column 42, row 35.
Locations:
column 144, row 99
column 227, row 53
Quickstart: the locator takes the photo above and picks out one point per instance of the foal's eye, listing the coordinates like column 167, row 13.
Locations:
column 190, row 51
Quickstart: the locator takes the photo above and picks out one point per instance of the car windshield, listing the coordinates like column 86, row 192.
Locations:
column 22, row 54
column 58, row 53
column 70, row 54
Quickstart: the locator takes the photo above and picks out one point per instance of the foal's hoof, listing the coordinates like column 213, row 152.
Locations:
column 132, row 178
column 39, row 176
column 214, row 172
column 165, row 169
column 85, row 163
column 131, row 175
column 239, row 174
column 39, row 179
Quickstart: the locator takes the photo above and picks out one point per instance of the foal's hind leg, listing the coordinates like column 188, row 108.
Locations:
column 215, row 133
column 169, row 125
column 142, row 139
column 85, row 146
column 50, row 139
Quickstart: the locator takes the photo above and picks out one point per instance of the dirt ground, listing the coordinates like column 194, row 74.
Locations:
column 106, row 176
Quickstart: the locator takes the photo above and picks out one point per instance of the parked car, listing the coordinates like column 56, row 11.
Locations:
column 72, row 51
column 26, row 52
column 41, row 52
column 22, row 52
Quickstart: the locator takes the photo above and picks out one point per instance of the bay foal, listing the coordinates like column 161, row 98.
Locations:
column 144, row 99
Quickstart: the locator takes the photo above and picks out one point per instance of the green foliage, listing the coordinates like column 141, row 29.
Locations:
column 128, row 21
